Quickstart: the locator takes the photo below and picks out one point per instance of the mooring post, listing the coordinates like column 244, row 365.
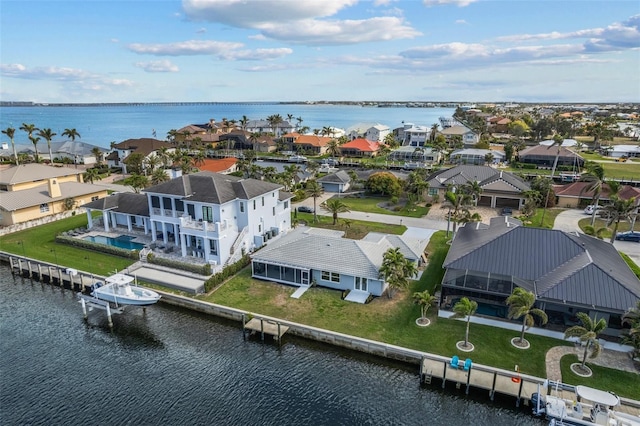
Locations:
column 244, row 330
column 493, row 387
column 279, row 342
column 39, row 272
column 60, row 277
column 20, row 266
column 84, row 309
column 262, row 328
column 30, row 271
column 444, row 374
column 109, row 315
column 468, row 380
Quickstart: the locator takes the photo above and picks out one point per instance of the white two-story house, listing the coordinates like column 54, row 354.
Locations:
column 206, row 215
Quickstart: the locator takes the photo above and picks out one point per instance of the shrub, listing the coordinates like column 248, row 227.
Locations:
column 103, row 248
column 227, row 272
column 204, row 269
column 590, row 230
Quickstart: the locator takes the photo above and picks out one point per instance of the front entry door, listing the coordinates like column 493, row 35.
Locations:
column 361, row 284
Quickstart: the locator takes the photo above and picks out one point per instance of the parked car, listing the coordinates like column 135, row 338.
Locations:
column 590, row 208
column 506, row 211
column 628, row 236
column 305, row 209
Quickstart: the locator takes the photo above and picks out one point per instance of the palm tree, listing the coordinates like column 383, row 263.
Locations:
column 10, row 132
column 520, row 304
column 425, row 300
column 47, row 134
column 458, row 202
column 335, row 206
column 465, row 308
column 159, row 176
column 34, row 140
column 617, row 210
column 29, row 128
column 71, row 134
column 433, row 133
column 588, row 334
column 98, row 155
column 595, row 177
column 92, row 174
column 333, row 148
column 396, row 270
column 632, row 317
column 315, row 190
column 274, row 121
column 243, row 122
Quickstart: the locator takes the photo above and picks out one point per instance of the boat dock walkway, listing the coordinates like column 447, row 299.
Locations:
column 264, row 326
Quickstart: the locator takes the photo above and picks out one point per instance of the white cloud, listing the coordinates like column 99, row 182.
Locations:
column 157, row 66
column 189, row 47
column 321, row 33
column 257, row 54
column 61, row 74
column 459, row 3
column 250, row 14
column 201, row 30
column 461, row 22
column 304, row 21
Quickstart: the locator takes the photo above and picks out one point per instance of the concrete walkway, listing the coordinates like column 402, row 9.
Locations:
column 606, row 358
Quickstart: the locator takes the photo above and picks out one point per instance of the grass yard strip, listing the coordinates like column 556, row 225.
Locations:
column 372, row 205
column 39, row 243
column 624, row 171
column 549, row 218
column 354, row 229
column 621, row 383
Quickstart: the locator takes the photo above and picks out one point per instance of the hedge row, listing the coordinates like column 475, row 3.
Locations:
column 227, row 272
column 103, row 248
column 204, row 269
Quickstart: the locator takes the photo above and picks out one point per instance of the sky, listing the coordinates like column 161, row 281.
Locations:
column 85, row 51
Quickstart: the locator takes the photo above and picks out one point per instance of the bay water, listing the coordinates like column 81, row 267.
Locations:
column 100, row 125
column 169, row 366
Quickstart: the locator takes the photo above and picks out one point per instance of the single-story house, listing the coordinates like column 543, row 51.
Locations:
column 618, row 151
column 468, row 136
column 307, row 256
column 417, row 154
column 335, row 182
column 565, row 142
column 314, row 144
column 34, row 191
column 236, row 139
column 568, row 272
column 219, row 165
column 360, row 147
column 575, row 194
column 544, row 156
column 499, row 188
column 476, row 156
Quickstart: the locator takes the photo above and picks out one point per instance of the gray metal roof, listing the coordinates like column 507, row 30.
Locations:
column 565, row 267
column 34, row 171
column 213, row 188
column 16, row 200
column 307, row 248
column 124, row 202
column 484, row 175
column 338, row 177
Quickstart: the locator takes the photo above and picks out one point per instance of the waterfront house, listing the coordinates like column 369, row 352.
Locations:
column 544, row 156
column 236, row 139
column 627, row 151
column 263, row 126
column 568, row 272
column 309, row 256
column 335, row 182
column 576, row 194
column 476, row 156
column 360, row 147
column 499, row 188
column 35, row 191
column 424, row 155
column 466, row 135
column 371, row 131
column 412, row 135
column 310, row 144
column 207, row 215
column 146, row 146
column 219, row 165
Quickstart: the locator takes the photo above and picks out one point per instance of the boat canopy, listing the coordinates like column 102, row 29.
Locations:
column 597, row 396
column 119, row 279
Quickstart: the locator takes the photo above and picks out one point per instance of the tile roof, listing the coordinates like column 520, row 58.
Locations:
column 16, row 200
column 34, row 171
column 362, row 145
column 218, row 165
column 578, row 269
column 213, row 188
column 312, row 140
column 579, row 189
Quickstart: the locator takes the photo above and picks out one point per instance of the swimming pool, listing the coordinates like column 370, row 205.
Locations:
column 123, row 241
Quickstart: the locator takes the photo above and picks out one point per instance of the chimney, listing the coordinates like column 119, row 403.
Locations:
column 54, row 188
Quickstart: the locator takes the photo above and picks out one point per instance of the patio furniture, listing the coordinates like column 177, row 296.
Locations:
column 454, row 361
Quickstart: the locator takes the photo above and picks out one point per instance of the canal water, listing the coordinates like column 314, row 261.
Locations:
column 170, row 366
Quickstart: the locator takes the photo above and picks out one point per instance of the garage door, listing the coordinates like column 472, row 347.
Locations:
column 508, row 202
column 484, row 201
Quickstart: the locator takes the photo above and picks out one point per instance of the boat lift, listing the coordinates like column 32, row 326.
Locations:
column 93, row 302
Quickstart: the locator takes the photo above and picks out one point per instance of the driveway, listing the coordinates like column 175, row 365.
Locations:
column 568, row 221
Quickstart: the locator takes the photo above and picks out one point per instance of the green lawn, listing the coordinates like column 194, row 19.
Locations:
column 354, row 229
column 626, row 171
column 39, row 243
column 549, row 218
column 616, row 381
column 372, row 205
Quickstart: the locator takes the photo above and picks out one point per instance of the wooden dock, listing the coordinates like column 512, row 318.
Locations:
column 264, row 326
column 479, row 376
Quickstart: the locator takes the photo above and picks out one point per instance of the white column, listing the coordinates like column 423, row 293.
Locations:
column 105, row 220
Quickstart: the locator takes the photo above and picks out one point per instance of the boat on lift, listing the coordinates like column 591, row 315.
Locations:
column 587, row 406
column 118, row 289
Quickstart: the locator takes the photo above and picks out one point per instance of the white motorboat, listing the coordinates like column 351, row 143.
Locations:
column 118, row 289
column 587, row 406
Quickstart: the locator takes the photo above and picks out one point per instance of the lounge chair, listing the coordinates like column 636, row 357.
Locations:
column 454, row 361
column 467, row 364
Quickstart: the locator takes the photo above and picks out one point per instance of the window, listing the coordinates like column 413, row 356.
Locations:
column 274, row 211
column 207, row 213
column 213, row 247
column 262, row 201
column 44, row 207
column 286, row 205
column 433, row 191
column 259, row 228
column 254, row 204
column 95, row 197
column 330, row 276
column 241, row 207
